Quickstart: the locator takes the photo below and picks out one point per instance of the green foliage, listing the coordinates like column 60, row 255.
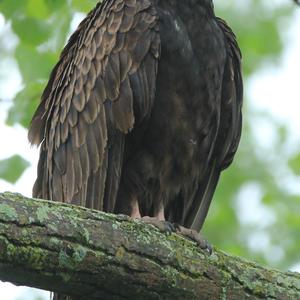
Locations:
column 42, row 28
column 259, row 34
column 12, row 168
column 22, row 111
column 294, row 164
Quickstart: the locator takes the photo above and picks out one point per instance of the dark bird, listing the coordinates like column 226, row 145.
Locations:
column 142, row 112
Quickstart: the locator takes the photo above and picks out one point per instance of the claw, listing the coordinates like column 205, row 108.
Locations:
column 164, row 226
column 194, row 236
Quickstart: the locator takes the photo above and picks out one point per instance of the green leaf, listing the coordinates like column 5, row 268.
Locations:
column 84, row 6
column 61, row 23
column 294, row 164
column 55, row 5
column 37, row 9
column 34, row 64
column 12, row 8
column 31, row 31
column 12, row 168
column 25, row 103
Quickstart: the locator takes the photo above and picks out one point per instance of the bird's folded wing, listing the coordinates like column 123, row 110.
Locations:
column 103, row 84
column 228, row 134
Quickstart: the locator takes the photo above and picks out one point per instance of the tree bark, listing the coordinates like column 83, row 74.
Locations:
column 94, row 255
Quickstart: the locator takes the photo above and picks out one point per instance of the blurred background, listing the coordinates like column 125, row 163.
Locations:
column 256, row 209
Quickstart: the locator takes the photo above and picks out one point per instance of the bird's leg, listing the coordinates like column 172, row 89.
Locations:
column 195, row 236
column 158, row 220
column 135, row 212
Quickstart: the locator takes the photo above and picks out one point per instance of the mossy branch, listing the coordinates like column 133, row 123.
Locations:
column 93, row 255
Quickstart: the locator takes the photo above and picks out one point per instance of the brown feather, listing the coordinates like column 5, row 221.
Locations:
column 93, row 70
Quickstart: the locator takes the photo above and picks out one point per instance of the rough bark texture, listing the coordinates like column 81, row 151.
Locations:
column 94, row 255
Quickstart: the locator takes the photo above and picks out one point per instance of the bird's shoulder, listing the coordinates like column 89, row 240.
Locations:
column 107, row 47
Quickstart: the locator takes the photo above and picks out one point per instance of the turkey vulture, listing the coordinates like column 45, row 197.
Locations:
column 142, row 112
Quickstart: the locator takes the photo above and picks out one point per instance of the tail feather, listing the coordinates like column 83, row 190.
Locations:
column 199, row 209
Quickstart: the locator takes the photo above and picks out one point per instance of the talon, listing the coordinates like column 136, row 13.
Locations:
column 194, row 236
column 162, row 225
column 209, row 249
column 170, row 228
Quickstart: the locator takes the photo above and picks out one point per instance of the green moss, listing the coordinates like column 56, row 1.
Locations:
column 8, row 213
column 115, row 226
column 171, row 274
column 224, row 293
column 52, row 226
column 86, row 235
column 180, row 282
column 57, row 214
column 64, row 260
column 31, row 256
column 120, row 253
column 79, row 254
column 70, row 257
column 179, row 257
column 214, row 257
column 74, row 225
column 226, row 277
column 30, row 219
column 25, row 237
column 3, row 247
column 12, row 196
column 139, row 231
column 42, row 213
column 65, row 276
column 55, row 241
column 23, row 219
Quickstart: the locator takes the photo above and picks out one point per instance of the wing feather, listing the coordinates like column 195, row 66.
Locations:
column 89, row 103
column 228, row 133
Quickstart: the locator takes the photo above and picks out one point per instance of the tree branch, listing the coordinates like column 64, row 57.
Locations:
column 94, row 255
